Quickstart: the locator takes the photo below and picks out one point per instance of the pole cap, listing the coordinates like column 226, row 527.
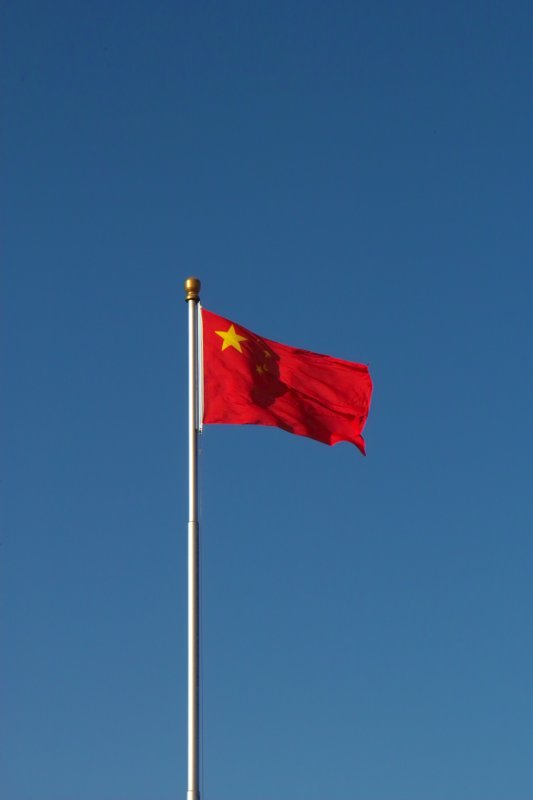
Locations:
column 192, row 289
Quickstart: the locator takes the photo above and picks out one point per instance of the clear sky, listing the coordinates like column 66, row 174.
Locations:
column 351, row 178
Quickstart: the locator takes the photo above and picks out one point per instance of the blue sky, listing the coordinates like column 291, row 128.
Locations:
column 353, row 179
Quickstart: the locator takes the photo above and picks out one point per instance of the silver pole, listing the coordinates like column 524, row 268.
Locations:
column 192, row 289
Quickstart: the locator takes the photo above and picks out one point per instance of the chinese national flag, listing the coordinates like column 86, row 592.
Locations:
column 252, row 380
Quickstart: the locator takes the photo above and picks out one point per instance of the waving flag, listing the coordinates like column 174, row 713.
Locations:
column 250, row 380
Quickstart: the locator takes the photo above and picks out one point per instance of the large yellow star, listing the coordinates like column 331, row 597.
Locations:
column 231, row 338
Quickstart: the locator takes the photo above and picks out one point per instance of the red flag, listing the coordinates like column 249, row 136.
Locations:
column 252, row 380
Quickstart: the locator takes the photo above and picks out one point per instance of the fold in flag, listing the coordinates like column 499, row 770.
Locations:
column 249, row 380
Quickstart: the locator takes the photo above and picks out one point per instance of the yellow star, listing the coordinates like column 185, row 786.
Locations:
column 259, row 369
column 231, row 338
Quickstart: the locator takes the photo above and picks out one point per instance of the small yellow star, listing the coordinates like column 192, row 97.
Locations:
column 231, row 338
column 259, row 369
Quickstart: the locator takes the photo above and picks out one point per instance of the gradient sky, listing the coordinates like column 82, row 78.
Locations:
column 350, row 178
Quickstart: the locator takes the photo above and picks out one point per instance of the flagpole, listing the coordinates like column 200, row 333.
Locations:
column 192, row 296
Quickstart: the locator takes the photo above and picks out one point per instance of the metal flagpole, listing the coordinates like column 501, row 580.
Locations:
column 192, row 296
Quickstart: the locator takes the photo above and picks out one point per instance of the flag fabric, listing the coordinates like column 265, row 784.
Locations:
column 250, row 380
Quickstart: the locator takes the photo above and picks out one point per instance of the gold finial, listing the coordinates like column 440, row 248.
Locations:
column 192, row 289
